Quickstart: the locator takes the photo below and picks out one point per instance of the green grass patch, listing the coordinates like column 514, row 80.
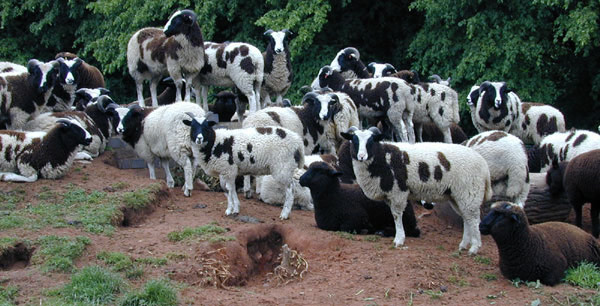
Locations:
column 371, row 238
column 434, row 295
column 489, row 276
column 91, row 285
column 211, row 232
column 155, row 293
column 120, row 185
column 483, row 260
column 10, row 199
column 119, row 261
column 140, row 198
column 585, row 275
column 346, row 235
column 152, row 261
column 56, row 254
column 8, row 295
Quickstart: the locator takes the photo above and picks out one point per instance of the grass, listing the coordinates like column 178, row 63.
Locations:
column 155, row 293
column 489, row 276
column 371, row 238
column 8, row 242
column 346, row 235
column 434, row 295
column 211, row 232
column 56, row 254
column 140, row 198
column 152, row 261
column 483, row 260
column 8, row 295
column 119, row 261
column 10, row 199
column 91, row 285
column 457, row 276
column 585, row 275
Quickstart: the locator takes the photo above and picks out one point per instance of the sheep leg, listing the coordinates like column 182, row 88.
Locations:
column 253, row 103
column 188, row 87
column 288, row 203
column 139, row 87
column 233, row 206
column 472, row 227
column 258, row 183
column 266, row 101
column 13, row 177
column 447, row 134
column 153, row 84
column 188, row 172
column 178, row 84
column 151, row 170
column 205, row 98
column 594, row 214
column 164, row 162
column 407, row 118
column 397, row 207
column 420, row 132
column 83, row 156
column 578, row 207
column 247, row 187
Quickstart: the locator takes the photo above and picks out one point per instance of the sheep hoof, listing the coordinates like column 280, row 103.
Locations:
column 248, row 194
column 170, row 184
column 187, row 193
column 284, row 216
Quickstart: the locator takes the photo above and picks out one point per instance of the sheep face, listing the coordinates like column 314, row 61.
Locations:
column 107, row 106
column 201, row 129
column 72, row 130
column 323, row 79
column 131, row 124
column 319, row 176
column 324, row 106
column 493, row 93
column 68, row 70
column 84, row 96
column 42, row 75
column 503, row 219
column 554, row 177
column 346, row 59
column 278, row 41
column 473, row 96
column 380, row 70
column 180, row 22
column 362, row 141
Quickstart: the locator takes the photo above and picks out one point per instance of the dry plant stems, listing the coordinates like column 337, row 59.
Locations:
column 292, row 266
column 213, row 271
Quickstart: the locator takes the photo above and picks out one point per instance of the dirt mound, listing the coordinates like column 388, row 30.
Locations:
column 16, row 256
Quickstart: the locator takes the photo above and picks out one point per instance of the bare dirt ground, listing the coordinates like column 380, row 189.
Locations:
column 363, row 271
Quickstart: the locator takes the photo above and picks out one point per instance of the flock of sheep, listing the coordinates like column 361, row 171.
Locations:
column 315, row 155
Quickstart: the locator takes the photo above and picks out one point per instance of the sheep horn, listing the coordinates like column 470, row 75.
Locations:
column 100, row 104
column 192, row 115
column 436, row 78
column 305, row 89
column 288, row 32
column 64, row 121
column 374, row 130
column 484, row 84
column 309, row 96
column 326, row 89
column 103, row 91
column 268, row 32
column 351, row 130
column 134, row 106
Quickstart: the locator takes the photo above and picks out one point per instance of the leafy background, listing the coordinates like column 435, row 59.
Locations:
column 546, row 50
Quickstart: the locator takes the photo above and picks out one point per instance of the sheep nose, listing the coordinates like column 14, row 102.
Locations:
column 361, row 156
column 120, row 130
column 278, row 50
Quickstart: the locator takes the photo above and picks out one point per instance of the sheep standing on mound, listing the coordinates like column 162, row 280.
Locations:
column 580, row 180
column 536, row 252
column 506, row 158
column 344, row 207
column 398, row 172
column 278, row 73
column 178, row 50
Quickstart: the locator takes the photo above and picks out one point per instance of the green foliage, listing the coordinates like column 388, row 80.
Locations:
column 210, row 232
column 489, row 276
column 91, row 285
column 346, row 235
column 586, row 275
column 8, row 294
column 152, row 261
column 155, row 293
column 483, row 260
column 56, row 253
column 119, row 261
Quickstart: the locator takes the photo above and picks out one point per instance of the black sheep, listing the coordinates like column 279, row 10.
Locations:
column 579, row 179
column 537, row 252
column 344, row 207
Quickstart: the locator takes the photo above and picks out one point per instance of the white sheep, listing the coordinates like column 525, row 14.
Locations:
column 278, row 73
column 398, row 172
column 506, row 158
column 27, row 156
column 437, row 79
column 178, row 50
column 232, row 64
column 161, row 133
column 250, row 151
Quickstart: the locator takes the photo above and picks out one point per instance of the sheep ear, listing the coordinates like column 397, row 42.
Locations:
column 31, row 65
column 347, row 136
column 289, row 34
column 187, row 122
column 77, row 63
column 371, row 67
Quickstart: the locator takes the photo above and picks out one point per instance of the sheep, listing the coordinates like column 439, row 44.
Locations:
column 579, row 179
column 536, row 252
column 562, row 145
column 27, row 156
column 410, row 76
column 225, row 105
column 378, row 70
column 178, row 50
column 99, row 119
column 398, row 172
column 431, row 133
column 84, row 96
column 63, row 93
column 249, row 151
column 391, row 98
column 232, row 64
column 344, row 207
column 506, row 158
column 278, row 75
column 24, row 95
column 86, row 75
column 344, row 118
column 12, row 68
column 495, row 107
column 347, row 62
column 161, row 133
column 437, row 79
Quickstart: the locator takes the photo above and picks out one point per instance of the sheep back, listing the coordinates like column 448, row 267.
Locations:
column 565, row 146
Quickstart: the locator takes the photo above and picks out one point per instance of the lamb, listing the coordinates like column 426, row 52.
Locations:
column 437, row 79
column 27, row 156
column 161, row 133
column 249, row 151
column 86, row 75
column 536, row 252
column 232, row 64
column 579, row 179
column 177, row 49
column 495, row 107
column 391, row 98
column 99, row 119
column 563, row 146
column 506, row 158
column 24, row 95
column 278, row 75
column 347, row 62
column 344, row 207
column 398, row 172
column 378, row 70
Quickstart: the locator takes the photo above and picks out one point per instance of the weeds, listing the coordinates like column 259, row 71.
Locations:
column 210, row 232
column 483, row 260
column 92, row 285
column 8, row 295
column 489, row 277
column 57, row 253
column 155, row 292
column 586, row 275
column 152, row 261
column 346, row 235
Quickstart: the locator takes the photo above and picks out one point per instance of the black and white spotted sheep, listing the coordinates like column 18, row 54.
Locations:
column 63, row 93
column 343, row 119
column 27, row 156
column 390, row 98
column 506, row 158
column 563, row 146
column 99, row 119
column 248, row 151
column 378, row 70
column 232, row 64
column 495, row 107
column 437, row 79
column 278, row 74
column 161, row 133
column 85, row 96
column 347, row 62
column 11, row 68
column 177, row 50
column 24, row 95
column 398, row 172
